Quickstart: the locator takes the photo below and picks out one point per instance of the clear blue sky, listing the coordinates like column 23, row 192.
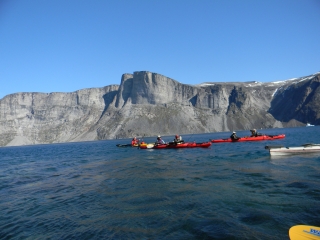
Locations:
column 67, row 45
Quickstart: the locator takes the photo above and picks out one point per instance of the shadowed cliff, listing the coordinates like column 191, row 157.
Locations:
column 299, row 101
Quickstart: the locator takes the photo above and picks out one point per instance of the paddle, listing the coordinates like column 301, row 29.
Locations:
column 304, row 232
column 187, row 140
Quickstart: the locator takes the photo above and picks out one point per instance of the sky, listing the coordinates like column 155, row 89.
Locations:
column 68, row 45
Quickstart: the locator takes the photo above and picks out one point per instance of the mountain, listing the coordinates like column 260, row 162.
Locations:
column 149, row 104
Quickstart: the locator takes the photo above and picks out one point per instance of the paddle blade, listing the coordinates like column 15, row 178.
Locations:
column 304, row 232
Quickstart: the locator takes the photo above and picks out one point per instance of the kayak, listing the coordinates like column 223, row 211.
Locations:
column 203, row 144
column 173, row 145
column 283, row 151
column 304, row 232
column 180, row 145
column 127, row 145
column 245, row 139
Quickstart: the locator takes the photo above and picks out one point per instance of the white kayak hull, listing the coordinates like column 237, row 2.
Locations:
column 282, row 151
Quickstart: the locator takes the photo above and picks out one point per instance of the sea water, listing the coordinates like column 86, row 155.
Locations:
column 95, row 190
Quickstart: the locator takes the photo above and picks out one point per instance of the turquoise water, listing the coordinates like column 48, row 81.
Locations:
column 94, row 190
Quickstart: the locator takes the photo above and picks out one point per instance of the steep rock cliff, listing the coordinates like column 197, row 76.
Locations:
column 299, row 100
column 148, row 104
column 32, row 118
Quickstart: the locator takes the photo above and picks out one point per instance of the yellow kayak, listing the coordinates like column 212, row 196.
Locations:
column 146, row 145
column 304, row 232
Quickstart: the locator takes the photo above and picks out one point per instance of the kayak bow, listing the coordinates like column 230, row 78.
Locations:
column 304, row 232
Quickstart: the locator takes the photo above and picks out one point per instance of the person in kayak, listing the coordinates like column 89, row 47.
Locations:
column 254, row 133
column 234, row 136
column 159, row 141
column 178, row 139
column 134, row 141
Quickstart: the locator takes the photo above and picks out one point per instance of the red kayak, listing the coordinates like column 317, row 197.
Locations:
column 180, row 145
column 203, row 145
column 244, row 139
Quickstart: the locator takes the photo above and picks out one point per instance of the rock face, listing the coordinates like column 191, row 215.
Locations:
column 299, row 101
column 148, row 104
column 33, row 118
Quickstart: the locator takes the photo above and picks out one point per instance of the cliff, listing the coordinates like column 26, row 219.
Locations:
column 34, row 118
column 148, row 104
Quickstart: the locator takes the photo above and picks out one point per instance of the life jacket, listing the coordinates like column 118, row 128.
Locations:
column 134, row 142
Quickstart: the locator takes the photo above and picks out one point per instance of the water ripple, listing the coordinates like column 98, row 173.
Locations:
column 94, row 190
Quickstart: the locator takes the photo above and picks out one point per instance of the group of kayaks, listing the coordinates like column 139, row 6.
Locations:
column 276, row 150
column 175, row 145
column 171, row 145
column 273, row 150
column 144, row 145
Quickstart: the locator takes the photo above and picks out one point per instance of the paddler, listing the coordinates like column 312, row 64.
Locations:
column 159, row 141
column 134, row 142
column 234, row 136
column 254, row 133
column 178, row 139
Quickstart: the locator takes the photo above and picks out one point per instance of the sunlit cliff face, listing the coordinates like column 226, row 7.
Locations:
column 148, row 104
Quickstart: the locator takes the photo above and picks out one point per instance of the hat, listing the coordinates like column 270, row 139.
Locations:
column 234, row 132
column 159, row 136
